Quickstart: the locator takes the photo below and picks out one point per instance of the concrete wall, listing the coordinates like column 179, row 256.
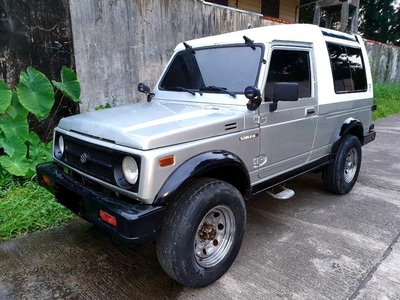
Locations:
column 43, row 39
column 121, row 43
column 385, row 61
column 37, row 33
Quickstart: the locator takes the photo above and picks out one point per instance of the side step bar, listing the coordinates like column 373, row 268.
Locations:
column 280, row 192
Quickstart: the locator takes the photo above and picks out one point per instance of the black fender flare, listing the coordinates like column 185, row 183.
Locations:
column 202, row 165
column 350, row 126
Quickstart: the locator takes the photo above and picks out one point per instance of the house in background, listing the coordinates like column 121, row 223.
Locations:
column 284, row 11
column 287, row 11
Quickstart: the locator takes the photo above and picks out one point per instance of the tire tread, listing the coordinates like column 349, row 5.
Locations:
column 180, row 212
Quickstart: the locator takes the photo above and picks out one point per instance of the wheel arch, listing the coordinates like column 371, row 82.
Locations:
column 222, row 165
column 350, row 126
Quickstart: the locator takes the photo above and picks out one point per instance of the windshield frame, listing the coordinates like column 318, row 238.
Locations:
column 193, row 51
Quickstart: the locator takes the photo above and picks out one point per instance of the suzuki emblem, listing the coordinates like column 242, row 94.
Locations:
column 83, row 158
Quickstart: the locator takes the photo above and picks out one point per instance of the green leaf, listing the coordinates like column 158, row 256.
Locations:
column 15, row 128
column 40, row 154
column 35, row 92
column 30, row 172
column 33, row 138
column 17, row 165
column 38, row 151
column 69, row 85
column 2, row 139
column 16, row 109
column 5, row 96
column 40, row 119
column 12, row 146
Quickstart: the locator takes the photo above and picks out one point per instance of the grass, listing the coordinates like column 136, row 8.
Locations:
column 387, row 98
column 26, row 207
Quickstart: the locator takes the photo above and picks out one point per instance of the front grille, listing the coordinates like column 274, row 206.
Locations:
column 96, row 154
column 90, row 159
column 99, row 162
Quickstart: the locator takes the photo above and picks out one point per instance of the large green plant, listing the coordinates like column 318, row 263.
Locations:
column 20, row 149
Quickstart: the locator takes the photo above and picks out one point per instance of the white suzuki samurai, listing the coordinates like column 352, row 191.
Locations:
column 232, row 116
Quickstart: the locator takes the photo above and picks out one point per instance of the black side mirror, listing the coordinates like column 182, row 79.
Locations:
column 284, row 91
column 145, row 90
column 253, row 94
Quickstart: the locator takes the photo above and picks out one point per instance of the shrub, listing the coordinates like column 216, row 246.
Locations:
column 21, row 149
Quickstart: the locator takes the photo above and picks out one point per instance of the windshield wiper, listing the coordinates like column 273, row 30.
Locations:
column 249, row 42
column 180, row 88
column 218, row 89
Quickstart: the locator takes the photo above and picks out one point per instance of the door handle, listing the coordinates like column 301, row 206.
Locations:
column 310, row 111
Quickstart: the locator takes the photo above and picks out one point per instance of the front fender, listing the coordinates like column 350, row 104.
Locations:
column 217, row 164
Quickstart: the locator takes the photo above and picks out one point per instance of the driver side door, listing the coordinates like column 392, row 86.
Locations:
column 287, row 134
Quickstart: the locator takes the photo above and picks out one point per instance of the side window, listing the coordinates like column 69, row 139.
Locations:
column 347, row 68
column 289, row 66
column 357, row 69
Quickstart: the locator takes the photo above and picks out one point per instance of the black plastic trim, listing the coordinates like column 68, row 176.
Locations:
column 368, row 138
column 198, row 166
column 266, row 185
column 350, row 125
column 136, row 222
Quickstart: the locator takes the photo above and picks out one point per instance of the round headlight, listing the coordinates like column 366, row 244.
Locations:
column 130, row 169
column 61, row 144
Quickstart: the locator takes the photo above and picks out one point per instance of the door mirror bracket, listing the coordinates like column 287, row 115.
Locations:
column 253, row 94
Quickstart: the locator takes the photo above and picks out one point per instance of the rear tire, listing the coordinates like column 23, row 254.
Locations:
column 340, row 176
column 202, row 232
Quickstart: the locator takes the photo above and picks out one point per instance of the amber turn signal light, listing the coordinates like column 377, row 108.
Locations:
column 166, row 161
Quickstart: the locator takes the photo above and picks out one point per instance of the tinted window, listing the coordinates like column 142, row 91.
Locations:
column 232, row 68
column 357, row 69
column 347, row 68
column 289, row 66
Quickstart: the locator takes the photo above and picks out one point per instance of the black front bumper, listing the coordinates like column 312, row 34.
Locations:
column 135, row 222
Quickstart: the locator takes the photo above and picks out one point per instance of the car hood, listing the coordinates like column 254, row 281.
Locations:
column 153, row 125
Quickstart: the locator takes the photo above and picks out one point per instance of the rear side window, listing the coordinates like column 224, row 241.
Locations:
column 289, row 66
column 347, row 69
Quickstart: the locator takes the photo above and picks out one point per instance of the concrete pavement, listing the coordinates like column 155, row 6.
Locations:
column 312, row 246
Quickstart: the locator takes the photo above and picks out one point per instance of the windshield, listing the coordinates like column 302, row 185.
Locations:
column 217, row 70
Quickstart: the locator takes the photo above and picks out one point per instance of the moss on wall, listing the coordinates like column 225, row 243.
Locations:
column 36, row 33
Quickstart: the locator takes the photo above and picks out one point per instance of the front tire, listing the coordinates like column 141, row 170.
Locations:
column 202, row 232
column 340, row 176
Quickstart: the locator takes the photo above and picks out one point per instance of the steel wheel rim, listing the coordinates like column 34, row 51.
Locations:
column 350, row 165
column 214, row 236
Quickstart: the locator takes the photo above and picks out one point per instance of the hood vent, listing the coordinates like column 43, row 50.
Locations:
column 230, row 126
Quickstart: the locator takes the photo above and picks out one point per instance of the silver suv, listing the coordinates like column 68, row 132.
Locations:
column 232, row 116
